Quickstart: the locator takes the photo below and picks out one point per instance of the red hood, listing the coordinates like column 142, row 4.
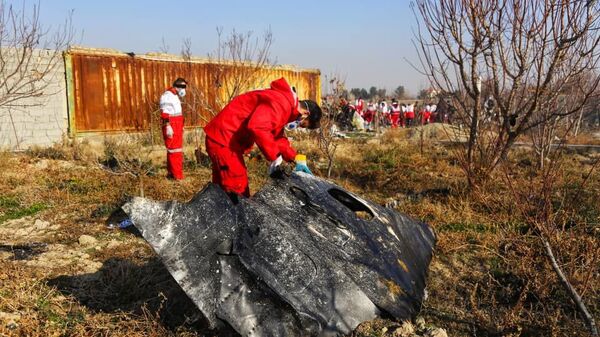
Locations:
column 282, row 86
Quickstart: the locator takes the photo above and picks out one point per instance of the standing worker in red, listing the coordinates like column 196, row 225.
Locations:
column 395, row 114
column 426, row 114
column 410, row 114
column 172, row 128
column 360, row 106
column 259, row 117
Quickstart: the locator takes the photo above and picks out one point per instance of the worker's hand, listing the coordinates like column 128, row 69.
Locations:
column 169, row 131
column 301, row 164
column 274, row 165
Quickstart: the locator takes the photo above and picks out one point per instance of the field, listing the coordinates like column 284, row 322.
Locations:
column 65, row 271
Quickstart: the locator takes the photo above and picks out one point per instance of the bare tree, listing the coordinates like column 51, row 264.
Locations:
column 525, row 54
column 193, row 102
column 164, row 47
column 241, row 63
column 547, row 217
column 332, row 107
column 29, row 57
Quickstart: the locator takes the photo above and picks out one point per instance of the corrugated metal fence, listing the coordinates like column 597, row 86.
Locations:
column 112, row 91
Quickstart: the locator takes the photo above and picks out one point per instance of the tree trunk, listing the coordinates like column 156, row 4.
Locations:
column 578, row 123
column 14, row 127
column 569, row 288
column 473, row 132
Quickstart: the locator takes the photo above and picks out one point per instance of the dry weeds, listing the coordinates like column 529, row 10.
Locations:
column 487, row 278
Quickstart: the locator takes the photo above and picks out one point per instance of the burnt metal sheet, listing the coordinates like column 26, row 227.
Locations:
column 118, row 92
column 301, row 257
column 384, row 252
column 188, row 238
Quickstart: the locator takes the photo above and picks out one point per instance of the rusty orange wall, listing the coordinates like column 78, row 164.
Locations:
column 121, row 93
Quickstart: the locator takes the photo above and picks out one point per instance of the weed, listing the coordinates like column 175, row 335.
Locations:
column 466, row 227
column 486, row 278
column 11, row 208
column 68, row 149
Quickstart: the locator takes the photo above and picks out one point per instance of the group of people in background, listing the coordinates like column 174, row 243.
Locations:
column 366, row 116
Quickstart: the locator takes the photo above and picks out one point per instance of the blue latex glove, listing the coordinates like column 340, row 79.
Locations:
column 302, row 168
column 301, row 164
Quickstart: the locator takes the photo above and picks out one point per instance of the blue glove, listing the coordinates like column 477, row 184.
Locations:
column 301, row 164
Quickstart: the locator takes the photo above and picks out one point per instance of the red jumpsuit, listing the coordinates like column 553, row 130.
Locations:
column 360, row 104
column 170, row 108
column 395, row 115
column 425, row 115
column 410, row 114
column 369, row 114
column 259, row 117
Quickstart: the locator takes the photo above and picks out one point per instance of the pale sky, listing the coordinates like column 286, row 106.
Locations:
column 367, row 42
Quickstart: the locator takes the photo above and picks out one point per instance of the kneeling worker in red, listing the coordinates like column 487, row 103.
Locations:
column 259, row 117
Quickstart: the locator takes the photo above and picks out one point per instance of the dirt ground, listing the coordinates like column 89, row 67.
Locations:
column 67, row 270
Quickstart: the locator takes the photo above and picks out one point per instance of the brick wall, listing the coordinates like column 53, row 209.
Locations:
column 37, row 120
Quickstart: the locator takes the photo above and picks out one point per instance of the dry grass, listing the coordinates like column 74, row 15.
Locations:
column 487, row 278
column 584, row 138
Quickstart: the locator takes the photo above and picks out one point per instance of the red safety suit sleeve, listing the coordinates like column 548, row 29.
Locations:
column 261, row 124
column 287, row 151
column 164, row 115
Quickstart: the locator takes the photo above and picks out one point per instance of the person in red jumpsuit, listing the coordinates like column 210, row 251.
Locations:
column 260, row 117
column 360, row 105
column 426, row 114
column 410, row 114
column 171, row 115
column 395, row 114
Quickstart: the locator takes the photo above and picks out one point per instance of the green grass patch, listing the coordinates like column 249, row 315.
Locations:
column 11, row 208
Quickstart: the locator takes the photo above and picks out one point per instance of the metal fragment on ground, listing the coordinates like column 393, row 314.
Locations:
column 301, row 257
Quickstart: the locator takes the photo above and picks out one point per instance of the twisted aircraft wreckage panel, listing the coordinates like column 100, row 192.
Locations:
column 301, row 257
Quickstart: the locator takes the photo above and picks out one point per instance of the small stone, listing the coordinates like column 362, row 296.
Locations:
column 42, row 164
column 12, row 325
column 87, row 240
column 41, row 224
column 10, row 319
column 113, row 244
column 436, row 332
column 92, row 267
column 384, row 330
column 406, row 330
column 420, row 323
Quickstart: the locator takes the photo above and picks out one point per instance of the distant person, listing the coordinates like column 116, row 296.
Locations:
column 426, row 114
column 258, row 116
column 360, row 106
column 346, row 115
column 395, row 113
column 410, row 114
column 171, row 115
column 385, row 113
column 370, row 114
column 433, row 117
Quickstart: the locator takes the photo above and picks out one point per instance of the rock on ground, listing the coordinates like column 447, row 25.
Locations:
column 87, row 240
column 406, row 330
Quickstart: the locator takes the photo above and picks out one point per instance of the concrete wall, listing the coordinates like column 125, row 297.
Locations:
column 37, row 120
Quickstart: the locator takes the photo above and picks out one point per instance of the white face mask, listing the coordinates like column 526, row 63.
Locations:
column 180, row 91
